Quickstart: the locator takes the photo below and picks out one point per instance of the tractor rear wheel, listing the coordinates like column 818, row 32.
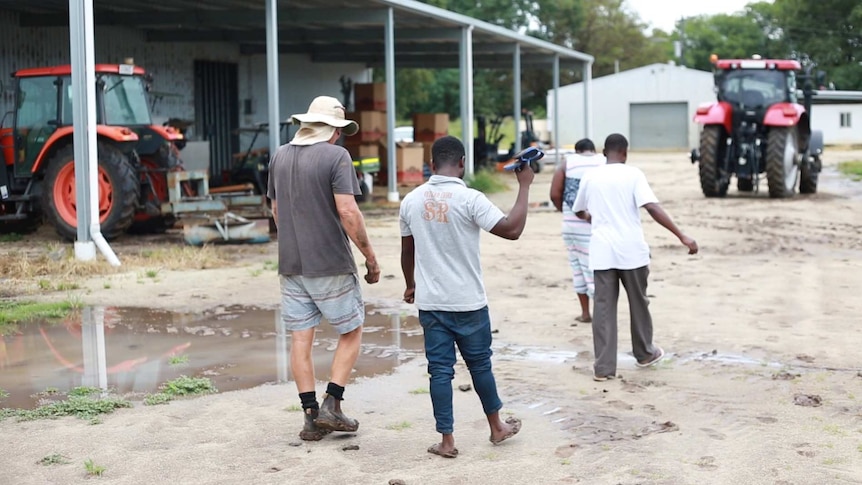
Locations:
column 712, row 147
column 782, row 170
column 118, row 191
column 154, row 179
column 808, row 176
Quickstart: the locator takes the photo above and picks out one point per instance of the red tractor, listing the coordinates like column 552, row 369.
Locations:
column 37, row 179
column 757, row 126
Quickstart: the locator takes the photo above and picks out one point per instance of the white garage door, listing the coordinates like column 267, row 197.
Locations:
column 658, row 125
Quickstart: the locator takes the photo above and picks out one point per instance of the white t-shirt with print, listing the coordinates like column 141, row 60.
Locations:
column 446, row 218
column 613, row 194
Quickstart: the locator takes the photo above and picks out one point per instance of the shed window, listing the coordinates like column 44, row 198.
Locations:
column 845, row 120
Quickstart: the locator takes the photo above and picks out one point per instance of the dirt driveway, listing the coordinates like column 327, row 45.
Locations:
column 764, row 319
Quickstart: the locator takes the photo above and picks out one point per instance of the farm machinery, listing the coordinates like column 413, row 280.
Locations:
column 142, row 184
column 757, row 127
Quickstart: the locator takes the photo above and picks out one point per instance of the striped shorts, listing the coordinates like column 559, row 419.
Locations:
column 338, row 299
column 576, row 237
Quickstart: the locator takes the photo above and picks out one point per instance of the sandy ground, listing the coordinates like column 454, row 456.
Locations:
column 769, row 310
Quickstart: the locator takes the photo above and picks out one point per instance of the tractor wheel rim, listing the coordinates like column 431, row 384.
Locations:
column 65, row 196
column 790, row 168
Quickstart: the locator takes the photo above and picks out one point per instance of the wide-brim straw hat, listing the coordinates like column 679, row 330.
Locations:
column 323, row 110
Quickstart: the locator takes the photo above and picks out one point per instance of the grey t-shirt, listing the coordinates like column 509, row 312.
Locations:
column 445, row 218
column 302, row 182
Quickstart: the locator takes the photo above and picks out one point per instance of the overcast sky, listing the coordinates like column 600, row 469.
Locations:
column 663, row 14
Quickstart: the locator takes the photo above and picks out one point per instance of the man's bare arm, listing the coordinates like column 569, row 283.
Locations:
column 659, row 215
column 408, row 263
column 354, row 226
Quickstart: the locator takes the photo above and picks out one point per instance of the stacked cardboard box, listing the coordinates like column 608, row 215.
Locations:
column 427, row 128
column 369, row 97
column 408, row 163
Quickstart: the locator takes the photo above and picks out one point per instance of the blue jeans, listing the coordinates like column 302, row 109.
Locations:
column 471, row 331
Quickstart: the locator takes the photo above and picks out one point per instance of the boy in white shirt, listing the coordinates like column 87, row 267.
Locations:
column 610, row 197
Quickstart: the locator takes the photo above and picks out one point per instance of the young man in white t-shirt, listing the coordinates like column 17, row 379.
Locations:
column 610, row 197
column 576, row 231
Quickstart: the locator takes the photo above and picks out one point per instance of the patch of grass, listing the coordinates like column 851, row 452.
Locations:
column 293, row 408
column 53, row 459
column 93, row 469
column 400, row 426
column 188, row 386
column 420, row 390
column 11, row 237
column 84, row 391
column 80, row 407
column 15, row 312
column 270, row 265
column 106, row 285
column 157, row 398
column 3, row 394
column 565, row 461
column 151, row 273
column 255, row 272
column 179, row 360
column 51, row 391
column 487, row 182
column 851, row 169
column 835, row 430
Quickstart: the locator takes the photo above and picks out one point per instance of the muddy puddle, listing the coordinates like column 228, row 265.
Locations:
column 236, row 347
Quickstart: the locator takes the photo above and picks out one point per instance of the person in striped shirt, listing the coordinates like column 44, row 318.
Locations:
column 576, row 232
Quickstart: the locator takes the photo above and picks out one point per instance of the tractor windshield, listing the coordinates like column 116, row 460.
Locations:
column 751, row 88
column 125, row 100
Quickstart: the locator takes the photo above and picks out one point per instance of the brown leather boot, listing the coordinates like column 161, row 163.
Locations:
column 331, row 418
column 311, row 432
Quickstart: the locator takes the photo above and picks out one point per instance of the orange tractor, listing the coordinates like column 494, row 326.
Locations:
column 135, row 158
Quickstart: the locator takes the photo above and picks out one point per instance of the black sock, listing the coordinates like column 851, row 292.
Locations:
column 309, row 400
column 335, row 391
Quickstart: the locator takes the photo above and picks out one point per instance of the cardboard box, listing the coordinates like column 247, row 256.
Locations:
column 408, row 157
column 369, row 97
column 428, row 127
column 426, row 153
column 372, row 126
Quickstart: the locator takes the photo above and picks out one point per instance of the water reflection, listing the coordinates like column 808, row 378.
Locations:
column 134, row 351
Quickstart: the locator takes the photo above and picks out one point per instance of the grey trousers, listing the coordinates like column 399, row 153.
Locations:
column 605, row 317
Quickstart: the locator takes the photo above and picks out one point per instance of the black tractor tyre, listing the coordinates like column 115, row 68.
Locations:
column 165, row 158
column 125, row 190
column 711, row 146
column 745, row 185
column 808, row 176
column 782, row 172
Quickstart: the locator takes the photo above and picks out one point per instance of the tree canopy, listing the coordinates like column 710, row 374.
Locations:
column 825, row 32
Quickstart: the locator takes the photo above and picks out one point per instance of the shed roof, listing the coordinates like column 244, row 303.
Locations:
column 326, row 30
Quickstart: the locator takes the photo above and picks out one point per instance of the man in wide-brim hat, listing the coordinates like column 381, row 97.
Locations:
column 312, row 184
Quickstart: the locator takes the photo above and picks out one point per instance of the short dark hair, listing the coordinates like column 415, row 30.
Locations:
column 585, row 145
column 447, row 151
column 616, row 143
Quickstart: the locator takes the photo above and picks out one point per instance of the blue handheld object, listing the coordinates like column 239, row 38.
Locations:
column 524, row 158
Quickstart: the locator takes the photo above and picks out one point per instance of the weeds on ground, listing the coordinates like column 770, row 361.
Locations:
column 188, row 386
column 15, row 312
column 82, row 407
column 11, row 237
column 420, row 390
column 487, row 182
column 851, row 169
column 293, row 408
column 53, row 459
column 179, row 360
column 3, row 394
column 400, row 426
column 84, row 391
column 93, row 469
column 156, row 399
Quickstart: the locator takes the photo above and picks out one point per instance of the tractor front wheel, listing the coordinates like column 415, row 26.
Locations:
column 712, row 147
column 782, row 169
column 118, row 191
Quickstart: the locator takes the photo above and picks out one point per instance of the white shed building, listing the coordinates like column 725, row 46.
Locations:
column 652, row 106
